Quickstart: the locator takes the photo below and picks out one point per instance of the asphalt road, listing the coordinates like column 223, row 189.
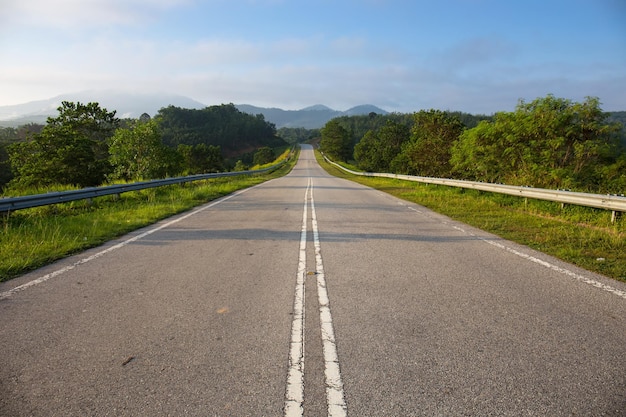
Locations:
column 311, row 295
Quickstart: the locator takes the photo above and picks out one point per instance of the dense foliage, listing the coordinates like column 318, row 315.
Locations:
column 379, row 149
column 8, row 136
column 70, row 149
column 549, row 142
column 618, row 117
column 427, row 152
column 263, row 156
column 201, row 158
column 223, row 126
column 336, row 141
column 295, row 135
column 86, row 145
column 137, row 152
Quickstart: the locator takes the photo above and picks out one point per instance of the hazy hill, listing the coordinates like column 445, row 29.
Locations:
column 125, row 104
column 310, row 117
column 133, row 105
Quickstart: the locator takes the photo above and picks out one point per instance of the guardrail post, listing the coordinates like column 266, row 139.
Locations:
column 615, row 215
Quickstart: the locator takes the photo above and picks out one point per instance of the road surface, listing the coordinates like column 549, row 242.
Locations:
column 310, row 295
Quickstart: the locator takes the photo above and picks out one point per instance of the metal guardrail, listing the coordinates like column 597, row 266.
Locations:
column 614, row 203
column 36, row 200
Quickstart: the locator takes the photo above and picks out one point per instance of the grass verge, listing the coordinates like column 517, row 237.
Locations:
column 580, row 235
column 35, row 237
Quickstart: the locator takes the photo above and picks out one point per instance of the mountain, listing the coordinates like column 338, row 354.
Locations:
column 363, row 109
column 317, row 107
column 312, row 117
column 133, row 105
column 125, row 104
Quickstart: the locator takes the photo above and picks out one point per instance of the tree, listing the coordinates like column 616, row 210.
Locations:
column 336, row 141
column 70, row 149
column 297, row 134
column 614, row 176
column 263, row 156
column 224, row 126
column 240, row 166
column 549, row 142
column 367, row 155
column 5, row 167
column 478, row 152
column 201, row 158
column 378, row 148
column 428, row 151
column 136, row 153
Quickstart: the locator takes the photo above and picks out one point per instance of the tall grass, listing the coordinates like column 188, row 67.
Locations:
column 35, row 237
column 580, row 235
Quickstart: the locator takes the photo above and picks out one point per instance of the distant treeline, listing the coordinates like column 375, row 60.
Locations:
column 359, row 125
column 86, row 145
column 224, row 126
column 549, row 143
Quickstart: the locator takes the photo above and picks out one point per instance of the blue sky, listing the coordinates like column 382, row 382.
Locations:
column 478, row 56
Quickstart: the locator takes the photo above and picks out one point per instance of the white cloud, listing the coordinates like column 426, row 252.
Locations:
column 64, row 14
column 477, row 75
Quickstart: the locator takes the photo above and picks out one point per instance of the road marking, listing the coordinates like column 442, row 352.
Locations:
column 334, row 386
column 44, row 278
column 538, row 261
column 294, row 394
column 549, row 265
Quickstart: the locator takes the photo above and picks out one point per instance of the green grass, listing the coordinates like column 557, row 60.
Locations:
column 35, row 237
column 579, row 235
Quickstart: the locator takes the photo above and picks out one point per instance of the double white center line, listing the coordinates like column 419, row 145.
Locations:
column 294, row 395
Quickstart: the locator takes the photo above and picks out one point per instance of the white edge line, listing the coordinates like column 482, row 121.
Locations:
column 551, row 266
column 44, row 278
column 543, row 263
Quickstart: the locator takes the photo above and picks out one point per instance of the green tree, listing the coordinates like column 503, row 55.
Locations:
column 428, row 151
column 336, row 141
column 378, row 148
column 70, row 149
column 263, row 156
column 614, row 176
column 549, row 142
column 136, row 153
column 240, row 166
column 297, row 134
column 477, row 154
column 366, row 153
column 201, row 158
column 224, row 126
column 5, row 167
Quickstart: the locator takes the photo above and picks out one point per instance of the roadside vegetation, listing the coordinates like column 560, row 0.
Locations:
column 32, row 238
column 579, row 235
column 550, row 143
column 86, row 145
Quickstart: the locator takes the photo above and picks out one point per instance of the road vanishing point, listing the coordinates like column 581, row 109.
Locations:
column 310, row 295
